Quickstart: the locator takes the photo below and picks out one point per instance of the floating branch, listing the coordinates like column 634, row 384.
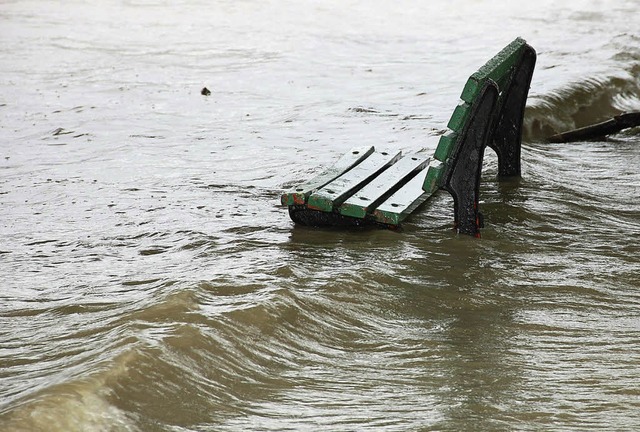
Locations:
column 599, row 130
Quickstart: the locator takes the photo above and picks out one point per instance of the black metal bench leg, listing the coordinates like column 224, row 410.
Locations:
column 463, row 176
column 507, row 137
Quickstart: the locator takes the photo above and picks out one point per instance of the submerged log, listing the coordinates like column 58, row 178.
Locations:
column 599, row 130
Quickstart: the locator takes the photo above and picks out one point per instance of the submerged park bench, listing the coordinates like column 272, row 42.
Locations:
column 369, row 186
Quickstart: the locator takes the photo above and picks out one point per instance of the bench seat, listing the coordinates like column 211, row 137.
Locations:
column 378, row 186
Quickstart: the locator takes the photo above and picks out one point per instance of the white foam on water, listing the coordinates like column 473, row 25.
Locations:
column 81, row 405
column 72, row 407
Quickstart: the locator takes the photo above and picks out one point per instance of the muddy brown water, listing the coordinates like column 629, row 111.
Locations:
column 150, row 280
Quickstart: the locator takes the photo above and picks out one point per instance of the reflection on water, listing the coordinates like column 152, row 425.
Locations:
column 151, row 281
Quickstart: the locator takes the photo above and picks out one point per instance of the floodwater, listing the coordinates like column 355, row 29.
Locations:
column 151, row 281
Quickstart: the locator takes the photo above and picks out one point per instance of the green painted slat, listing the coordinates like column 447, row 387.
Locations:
column 336, row 192
column 299, row 194
column 433, row 181
column 459, row 117
column 471, row 89
column 498, row 68
column 366, row 199
column 398, row 206
column 446, row 144
column 498, row 65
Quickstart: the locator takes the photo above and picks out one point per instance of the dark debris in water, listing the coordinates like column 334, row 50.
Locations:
column 599, row 130
column 146, row 136
column 61, row 131
column 153, row 251
column 364, row 110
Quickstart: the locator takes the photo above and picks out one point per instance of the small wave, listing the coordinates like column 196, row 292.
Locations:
column 582, row 104
column 75, row 406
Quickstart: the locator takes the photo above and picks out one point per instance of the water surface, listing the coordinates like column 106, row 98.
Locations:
column 152, row 282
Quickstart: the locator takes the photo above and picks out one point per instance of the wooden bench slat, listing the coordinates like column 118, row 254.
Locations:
column 366, row 199
column 433, row 181
column 497, row 69
column 335, row 193
column 459, row 117
column 446, row 144
column 300, row 193
column 404, row 201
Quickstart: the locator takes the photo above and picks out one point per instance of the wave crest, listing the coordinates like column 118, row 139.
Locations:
column 581, row 104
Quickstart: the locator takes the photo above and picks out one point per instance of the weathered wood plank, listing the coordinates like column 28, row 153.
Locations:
column 447, row 142
column 459, row 117
column 404, row 201
column 446, row 145
column 366, row 199
column 434, row 180
column 299, row 194
column 335, row 193
column 498, row 68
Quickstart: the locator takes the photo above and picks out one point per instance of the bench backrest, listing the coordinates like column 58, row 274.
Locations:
column 501, row 70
